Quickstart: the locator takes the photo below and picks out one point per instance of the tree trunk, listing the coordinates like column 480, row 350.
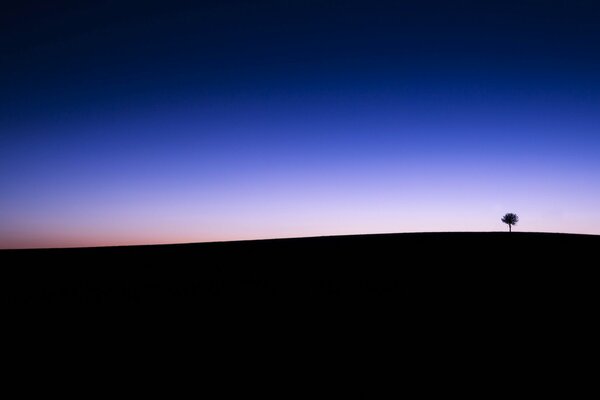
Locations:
column 509, row 228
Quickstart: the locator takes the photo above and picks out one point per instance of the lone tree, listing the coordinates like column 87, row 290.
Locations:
column 510, row 219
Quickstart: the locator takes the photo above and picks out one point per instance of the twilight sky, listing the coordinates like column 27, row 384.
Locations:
column 126, row 122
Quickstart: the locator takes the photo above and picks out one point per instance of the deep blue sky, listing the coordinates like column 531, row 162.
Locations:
column 144, row 122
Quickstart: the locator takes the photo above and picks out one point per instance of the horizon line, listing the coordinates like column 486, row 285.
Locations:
column 291, row 238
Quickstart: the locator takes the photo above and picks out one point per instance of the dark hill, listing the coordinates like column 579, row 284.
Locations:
column 426, row 267
column 475, row 312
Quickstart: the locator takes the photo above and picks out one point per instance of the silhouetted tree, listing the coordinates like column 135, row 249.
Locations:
column 510, row 219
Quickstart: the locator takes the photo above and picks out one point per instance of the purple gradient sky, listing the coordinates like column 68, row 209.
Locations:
column 355, row 136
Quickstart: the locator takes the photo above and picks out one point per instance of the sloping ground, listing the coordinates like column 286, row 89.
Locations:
column 434, row 313
column 413, row 267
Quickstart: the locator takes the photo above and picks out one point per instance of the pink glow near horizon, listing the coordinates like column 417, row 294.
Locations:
column 285, row 210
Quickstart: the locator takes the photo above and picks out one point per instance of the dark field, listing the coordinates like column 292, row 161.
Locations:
column 442, row 312
column 422, row 270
